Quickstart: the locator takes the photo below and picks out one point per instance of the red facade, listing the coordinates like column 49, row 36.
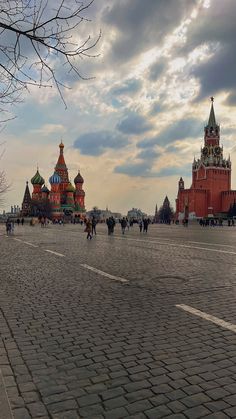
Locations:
column 210, row 193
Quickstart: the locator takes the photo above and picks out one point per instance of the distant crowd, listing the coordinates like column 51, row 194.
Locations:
column 125, row 224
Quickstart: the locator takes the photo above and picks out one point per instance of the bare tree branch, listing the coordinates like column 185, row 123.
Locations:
column 4, row 186
column 34, row 36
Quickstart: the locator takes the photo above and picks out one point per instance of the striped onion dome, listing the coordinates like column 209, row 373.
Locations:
column 55, row 179
column 37, row 179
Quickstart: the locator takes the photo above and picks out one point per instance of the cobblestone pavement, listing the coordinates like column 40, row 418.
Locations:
column 91, row 329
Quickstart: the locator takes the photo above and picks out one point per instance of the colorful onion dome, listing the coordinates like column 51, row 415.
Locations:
column 55, row 179
column 45, row 189
column 78, row 178
column 70, row 188
column 37, row 179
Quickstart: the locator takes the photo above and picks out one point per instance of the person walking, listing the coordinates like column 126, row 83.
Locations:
column 145, row 225
column 88, row 229
column 8, row 227
column 141, row 226
column 22, row 221
column 123, row 224
column 94, row 223
column 18, row 221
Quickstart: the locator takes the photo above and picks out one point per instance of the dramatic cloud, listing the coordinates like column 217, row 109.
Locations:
column 140, row 24
column 144, row 170
column 231, row 99
column 156, row 70
column 134, row 123
column 215, row 28
column 148, row 154
column 97, row 143
column 175, row 170
column 185, row 128
column 134, row 169
column 130, row 86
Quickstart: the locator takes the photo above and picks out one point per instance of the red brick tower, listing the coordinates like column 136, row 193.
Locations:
column 212, row 172
column 210, row 193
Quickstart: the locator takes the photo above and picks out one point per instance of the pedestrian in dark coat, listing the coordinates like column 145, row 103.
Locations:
column 145, row 225
column 123, row 224
column 94, row 223
column 88, row 229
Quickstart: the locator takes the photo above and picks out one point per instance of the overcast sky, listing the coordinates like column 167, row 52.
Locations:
column 135, row 128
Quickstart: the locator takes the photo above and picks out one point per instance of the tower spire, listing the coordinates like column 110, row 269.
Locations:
column 212, row 119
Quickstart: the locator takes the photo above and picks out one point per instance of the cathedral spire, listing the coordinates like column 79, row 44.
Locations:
column 212, row 119
column 61, row 168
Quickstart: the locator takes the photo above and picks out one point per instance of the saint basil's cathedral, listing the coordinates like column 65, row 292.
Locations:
column 62, row 200
column 210, row 194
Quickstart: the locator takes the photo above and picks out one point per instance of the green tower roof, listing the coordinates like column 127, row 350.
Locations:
column 212, row 119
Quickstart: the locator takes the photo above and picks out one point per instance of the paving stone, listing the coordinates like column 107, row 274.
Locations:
column 196, row 412
column 109, row 394
column 217, row 415
column 114, row 403
column 137, row 385
column 70, row 414
column 176, row 406
column 139, row 406
column 62, row 406
column 195, row 400
column 217, row 393
column 118, row 413
column 231, row 412
column 91, row 411
column 217, row 406
column 158, row 412
column 88, row 400
column 139, row 395
column 21, row 413
column 37, row 409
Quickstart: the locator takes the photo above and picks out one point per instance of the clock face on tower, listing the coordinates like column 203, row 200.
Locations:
column 217, row 151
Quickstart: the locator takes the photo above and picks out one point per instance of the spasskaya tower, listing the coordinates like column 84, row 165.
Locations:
column 210, row 194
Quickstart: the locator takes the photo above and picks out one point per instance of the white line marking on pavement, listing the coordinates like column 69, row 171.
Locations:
column 29, row 244
column 212, row 244
column 55, row 253
column 209, row 317
column 176, row 245
column 116, row 278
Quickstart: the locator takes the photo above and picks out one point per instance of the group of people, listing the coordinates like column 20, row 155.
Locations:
column 90, row 226
column 143, row 225
column 213, row 223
